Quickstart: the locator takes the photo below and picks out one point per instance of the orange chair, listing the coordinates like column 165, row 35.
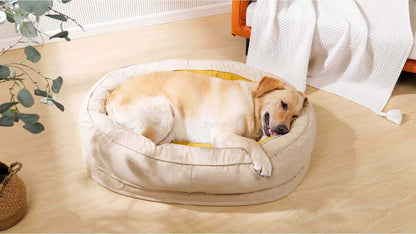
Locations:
column 240, row 28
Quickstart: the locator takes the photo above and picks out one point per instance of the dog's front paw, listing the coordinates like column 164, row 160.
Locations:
column 262, row 164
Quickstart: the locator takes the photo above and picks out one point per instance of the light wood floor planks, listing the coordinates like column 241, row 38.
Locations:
column 362, row 176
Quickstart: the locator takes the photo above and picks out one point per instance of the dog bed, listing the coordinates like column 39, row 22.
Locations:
column 187, row 173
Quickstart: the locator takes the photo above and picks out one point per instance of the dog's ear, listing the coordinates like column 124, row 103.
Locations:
column 268, row 84
column 305, row 99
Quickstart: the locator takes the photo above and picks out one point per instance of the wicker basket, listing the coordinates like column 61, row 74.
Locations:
column 12, row 195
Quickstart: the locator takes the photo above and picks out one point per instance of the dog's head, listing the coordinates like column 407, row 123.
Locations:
column 279, row 105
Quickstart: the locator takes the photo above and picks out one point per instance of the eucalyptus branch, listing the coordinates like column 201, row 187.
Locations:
column 11, row 90
column 4, row 7
column 27, row 74
column 11, row 79
column 12, row 94
column 48, row 87
column 10, row 47
column 21, row 81
column 20, row 12
column 68, row 17
column 26, row 66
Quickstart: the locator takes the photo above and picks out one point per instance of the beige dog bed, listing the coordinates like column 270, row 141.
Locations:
column 133, row 165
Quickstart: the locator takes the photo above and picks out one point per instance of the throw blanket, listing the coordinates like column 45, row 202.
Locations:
column 352, row 48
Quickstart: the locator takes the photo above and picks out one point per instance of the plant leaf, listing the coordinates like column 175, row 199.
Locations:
column 39, row 7
column 18, row 18
column 28, row 30
column 7, row 113
column 13, row 73
column 33, row 41
column 63, row 34
column 9, row 16
column 59, row 105
column 32, row 54
column 4, row 72
column 6, row 121
column 5, row 106
column 25, row 98
column 57, row 17
column 57, row 84
column 17, row 27
column 29, row 118
column 41, row 93
column 34, row 128
column 65, row 1
column 14, row 114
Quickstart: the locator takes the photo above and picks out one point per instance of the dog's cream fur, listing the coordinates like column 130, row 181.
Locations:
column 184, row 106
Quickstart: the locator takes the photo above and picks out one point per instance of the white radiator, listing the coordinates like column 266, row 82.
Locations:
column 103, row 16
column 88, row 12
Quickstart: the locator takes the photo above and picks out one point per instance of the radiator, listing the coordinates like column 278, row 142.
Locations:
column 89, row 12
column 103, row 16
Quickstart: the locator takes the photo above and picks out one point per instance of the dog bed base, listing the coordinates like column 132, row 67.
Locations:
column 134, row 166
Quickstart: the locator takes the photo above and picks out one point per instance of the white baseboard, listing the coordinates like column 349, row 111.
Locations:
column 130, row 23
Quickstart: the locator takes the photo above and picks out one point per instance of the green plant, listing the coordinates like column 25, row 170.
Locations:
column 26, row 15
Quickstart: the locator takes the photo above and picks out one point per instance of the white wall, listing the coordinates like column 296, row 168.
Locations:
column 103, row 16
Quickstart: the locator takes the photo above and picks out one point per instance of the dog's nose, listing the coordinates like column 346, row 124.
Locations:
column 281, row 130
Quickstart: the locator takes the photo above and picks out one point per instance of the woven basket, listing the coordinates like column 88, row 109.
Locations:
column 12, row 195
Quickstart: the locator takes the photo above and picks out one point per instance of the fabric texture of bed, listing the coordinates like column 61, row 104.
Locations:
column 132, row 165
column 412, row 11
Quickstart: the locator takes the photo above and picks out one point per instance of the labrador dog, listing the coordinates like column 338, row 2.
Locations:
column 184, row 106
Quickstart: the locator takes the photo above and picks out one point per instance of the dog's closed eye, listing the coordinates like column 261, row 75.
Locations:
column 284, row 105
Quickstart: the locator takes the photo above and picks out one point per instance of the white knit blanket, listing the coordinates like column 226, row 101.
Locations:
column 353, row 48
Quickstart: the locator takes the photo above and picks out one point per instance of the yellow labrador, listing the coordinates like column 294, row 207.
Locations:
column 183, row 106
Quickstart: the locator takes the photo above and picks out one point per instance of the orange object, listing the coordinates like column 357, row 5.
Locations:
column 238, row 21
column 410, row 66
column 240, row 28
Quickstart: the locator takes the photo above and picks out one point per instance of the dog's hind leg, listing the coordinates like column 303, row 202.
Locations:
column 157, row 117
column 151, row 117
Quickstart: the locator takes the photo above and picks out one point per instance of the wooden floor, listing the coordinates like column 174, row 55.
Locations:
column 362, row 176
